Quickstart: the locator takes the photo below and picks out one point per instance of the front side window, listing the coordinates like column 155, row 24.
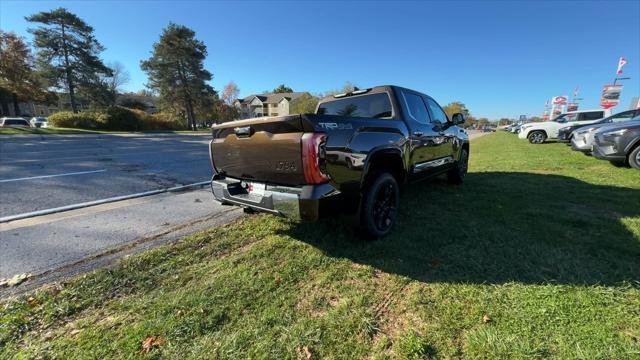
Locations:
column 593, row 115
column 625, row 116
column 436, row 111
column 416, row 108
column 365, row 106
column 566, row 118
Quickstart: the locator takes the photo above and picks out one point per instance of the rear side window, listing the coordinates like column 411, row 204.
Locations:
column 15, row 122
column 416, row 108
column 592, row 115
column 365, row 106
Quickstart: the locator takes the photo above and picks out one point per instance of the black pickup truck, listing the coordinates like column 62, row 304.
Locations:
column 350, row 157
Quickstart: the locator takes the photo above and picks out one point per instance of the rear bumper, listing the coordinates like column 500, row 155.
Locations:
column 307, row 203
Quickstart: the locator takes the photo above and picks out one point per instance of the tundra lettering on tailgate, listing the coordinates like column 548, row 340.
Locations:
column 284, row 165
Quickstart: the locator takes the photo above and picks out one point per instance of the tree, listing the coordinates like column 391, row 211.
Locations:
column 119, row 77
column 230, row 93
column 68, row 52
column 223, row 112
column 176, row 70
column 346, row 88
column 455, row 107
column 17, row 76
column 282, row 88
column 304, row 104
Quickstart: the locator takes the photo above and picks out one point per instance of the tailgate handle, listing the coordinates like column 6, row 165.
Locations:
column 244, row 131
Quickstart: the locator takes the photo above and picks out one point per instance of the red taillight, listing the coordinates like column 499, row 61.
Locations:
column 213, row 166
column 311, row 143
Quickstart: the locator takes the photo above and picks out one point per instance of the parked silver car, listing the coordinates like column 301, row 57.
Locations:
column 582, row 138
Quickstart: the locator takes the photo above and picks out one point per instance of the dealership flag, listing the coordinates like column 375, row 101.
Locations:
column 575, row 92
column 547, row 103
column 621, row 62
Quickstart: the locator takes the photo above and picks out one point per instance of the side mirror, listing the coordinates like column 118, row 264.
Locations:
column 457, row 119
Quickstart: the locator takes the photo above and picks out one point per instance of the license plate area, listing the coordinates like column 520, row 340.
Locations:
column 256, row 189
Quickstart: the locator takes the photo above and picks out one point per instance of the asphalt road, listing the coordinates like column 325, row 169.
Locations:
column 43, row 172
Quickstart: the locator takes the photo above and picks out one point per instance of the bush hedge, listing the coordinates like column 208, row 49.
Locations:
column 116, row 118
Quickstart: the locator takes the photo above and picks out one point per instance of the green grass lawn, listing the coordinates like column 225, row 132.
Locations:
column 59, row 131
column 536, row 255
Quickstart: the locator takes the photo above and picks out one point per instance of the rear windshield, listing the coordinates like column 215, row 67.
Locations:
column 366, row 106
column 594, row 115
column 15, row 122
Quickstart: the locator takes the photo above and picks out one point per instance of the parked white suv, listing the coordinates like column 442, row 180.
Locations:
column 539, row 132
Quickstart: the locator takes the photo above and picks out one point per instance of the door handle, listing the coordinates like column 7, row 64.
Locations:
column 418, row 133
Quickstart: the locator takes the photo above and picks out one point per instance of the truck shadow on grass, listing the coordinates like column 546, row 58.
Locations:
column 501, row 227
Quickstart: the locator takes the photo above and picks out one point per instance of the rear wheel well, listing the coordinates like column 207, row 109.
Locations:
column 389, row 162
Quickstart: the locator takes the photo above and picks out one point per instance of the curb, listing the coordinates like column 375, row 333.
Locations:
column 10, row 218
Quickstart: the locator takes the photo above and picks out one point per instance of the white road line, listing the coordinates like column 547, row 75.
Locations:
column 56, row 175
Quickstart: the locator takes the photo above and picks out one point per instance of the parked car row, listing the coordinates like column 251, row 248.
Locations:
column 615, row 138
column 539, row 132
column 18, row 122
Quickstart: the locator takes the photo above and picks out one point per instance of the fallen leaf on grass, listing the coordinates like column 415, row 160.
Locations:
column 150, row 342
column 304, row 352
column 486, row 319
column 75, row 332
column 633, row 336
column 32, row 301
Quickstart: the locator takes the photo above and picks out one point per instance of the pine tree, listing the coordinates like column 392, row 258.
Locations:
column 176, row 71
column 68, row 53
column 282, row 88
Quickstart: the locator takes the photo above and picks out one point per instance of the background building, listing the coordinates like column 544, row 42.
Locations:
column 265, row 104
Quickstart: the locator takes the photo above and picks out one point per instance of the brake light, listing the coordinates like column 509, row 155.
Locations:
column 311, row 158
column 213, row 166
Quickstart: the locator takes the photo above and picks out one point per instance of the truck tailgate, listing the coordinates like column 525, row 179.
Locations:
column 266, row 149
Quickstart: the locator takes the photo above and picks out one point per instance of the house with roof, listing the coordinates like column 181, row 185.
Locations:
column 265, row 104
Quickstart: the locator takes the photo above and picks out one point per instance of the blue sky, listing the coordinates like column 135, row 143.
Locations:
column 501, row 59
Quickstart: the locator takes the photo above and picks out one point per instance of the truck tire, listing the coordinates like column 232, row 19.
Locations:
column 379, row 207
column 459, row 171
column 634, row 158
column 537, row 137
